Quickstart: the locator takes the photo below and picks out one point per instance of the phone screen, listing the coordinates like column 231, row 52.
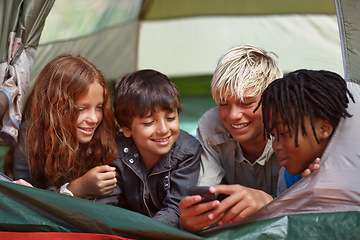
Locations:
column 203, row 191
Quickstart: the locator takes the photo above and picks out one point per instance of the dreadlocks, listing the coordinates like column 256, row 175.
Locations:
column 317, row 94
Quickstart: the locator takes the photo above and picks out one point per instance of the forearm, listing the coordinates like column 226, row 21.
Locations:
column 169, row 215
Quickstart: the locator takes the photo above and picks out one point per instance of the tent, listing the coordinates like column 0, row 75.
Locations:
column 182, row 39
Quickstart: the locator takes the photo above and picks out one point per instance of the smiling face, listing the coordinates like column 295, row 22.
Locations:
column 154, row 134
column 297, row 159
column 90, row 107
column 245, row 126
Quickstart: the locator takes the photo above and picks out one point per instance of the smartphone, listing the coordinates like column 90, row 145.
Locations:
column 203, row 191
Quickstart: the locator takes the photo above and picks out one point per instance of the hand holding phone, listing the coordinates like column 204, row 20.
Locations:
column 204, row 192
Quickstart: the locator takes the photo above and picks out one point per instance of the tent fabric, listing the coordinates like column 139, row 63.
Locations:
column 25, row 209
column 189, row 44
column 103, row 31
column 163, row 9
column 192, row 46
column 57, row 236
column 348, row 13
column 335, row 187
column 21, row 26
column 37, row 214
column 340, row 225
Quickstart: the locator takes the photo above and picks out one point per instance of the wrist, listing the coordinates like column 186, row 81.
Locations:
column 76, row 188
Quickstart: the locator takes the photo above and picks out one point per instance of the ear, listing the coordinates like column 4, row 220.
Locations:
column 126, row 131
column 326, row 129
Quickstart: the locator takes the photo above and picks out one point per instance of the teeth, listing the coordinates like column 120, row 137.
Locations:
column 240, row 126
column 161, row 140
column 86, row 129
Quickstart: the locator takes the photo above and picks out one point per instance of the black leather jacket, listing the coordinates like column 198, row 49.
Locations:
column 158, row 192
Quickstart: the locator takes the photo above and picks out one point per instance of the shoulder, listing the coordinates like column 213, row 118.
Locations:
column 126, row 146
column 186, row 141
column 211, row 130
column 185, row 146
column 210, row 117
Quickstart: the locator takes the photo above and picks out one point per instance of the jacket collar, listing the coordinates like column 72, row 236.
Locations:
column 129, row 154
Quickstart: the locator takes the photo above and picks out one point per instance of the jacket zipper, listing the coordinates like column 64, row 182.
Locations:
column 143, row 193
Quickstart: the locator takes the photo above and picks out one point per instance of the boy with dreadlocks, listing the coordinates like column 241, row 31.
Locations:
column 302, row 110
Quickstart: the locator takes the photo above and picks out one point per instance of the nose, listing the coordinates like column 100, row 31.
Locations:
column 92, row 116
column 236, row 112
column 162, row 127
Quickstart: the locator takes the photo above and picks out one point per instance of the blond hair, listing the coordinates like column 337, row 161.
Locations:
column 242, row 68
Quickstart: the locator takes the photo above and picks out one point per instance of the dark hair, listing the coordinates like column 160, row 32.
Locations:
column 141, row 92
column 317, row 94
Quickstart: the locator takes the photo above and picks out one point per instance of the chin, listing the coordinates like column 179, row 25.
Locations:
column 294, row 171
column 85, row 140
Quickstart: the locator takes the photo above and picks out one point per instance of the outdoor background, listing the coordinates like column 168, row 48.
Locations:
column 184, row 39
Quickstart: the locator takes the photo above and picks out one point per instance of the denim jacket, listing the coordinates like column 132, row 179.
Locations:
column 158, row 192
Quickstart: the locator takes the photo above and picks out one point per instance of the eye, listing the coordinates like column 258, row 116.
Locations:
column 248, row 104
column 148, row 123
column 81, row 109
column 223, row 104
column 284, row 133
column 100, row 107
column 171, row 118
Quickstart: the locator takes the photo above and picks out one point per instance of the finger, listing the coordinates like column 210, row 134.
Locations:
column 107, row 190
column 242, row 215
column 198, row 216
column 197, row 208
column 305, row 173
column 227, row 205
column 316, row 166
column 108, row 176
column 189, row 201
column 107, row 182
column 104, row 168
column 225, row 189
column 233, row 212
column 198, row 222
column 203, row 221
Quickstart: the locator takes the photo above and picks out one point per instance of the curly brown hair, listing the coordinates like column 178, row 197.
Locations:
column 54, row 154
